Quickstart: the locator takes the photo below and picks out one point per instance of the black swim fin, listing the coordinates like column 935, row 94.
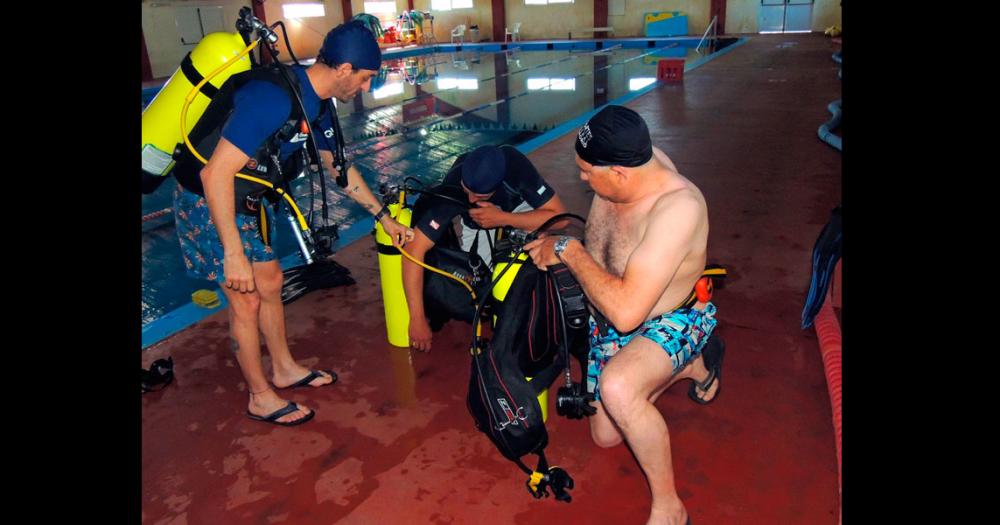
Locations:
column 321, row 274
column 826, row 253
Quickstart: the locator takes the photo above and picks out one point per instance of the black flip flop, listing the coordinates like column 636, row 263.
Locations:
column 715, row 350
column 313, row 375
column 288, row 409
column 159, row 375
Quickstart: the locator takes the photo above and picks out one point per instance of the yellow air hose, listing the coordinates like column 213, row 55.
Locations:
column 479, row 329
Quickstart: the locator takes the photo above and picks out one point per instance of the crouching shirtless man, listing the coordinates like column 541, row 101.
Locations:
column 646, row 240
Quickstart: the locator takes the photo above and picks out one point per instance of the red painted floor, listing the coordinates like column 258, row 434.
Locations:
column 392, row 442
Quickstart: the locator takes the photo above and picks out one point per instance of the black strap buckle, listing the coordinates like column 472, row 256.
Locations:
column 572, row 296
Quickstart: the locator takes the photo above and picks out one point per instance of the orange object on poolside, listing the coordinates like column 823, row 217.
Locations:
column 670, row 69
column 703, row 289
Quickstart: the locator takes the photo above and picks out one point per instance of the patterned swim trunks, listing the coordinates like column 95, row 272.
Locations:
column 681, row 333
column 200, row 244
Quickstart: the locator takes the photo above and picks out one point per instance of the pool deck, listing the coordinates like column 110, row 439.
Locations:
column 392, row 441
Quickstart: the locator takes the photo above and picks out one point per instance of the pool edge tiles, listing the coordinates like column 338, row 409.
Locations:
column 176, row 320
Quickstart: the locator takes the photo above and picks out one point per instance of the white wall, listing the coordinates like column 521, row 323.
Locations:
column 632, row 23
column 163, row 43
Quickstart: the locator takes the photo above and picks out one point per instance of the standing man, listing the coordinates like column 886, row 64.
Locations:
column 259, row 132
column 646, row 240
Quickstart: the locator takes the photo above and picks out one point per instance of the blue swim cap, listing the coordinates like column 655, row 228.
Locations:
column 484, row 169
column 351, row 43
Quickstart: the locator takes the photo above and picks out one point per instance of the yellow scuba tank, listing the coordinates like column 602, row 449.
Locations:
column 500, row 290
column 390, row 268
column 160, row 120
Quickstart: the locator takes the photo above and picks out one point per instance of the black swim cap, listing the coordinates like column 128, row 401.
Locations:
column 615, row 136
column 484, row 169
column 351, row 43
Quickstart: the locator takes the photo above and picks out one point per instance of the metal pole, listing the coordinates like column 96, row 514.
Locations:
column 298, row 237
column 709, row 28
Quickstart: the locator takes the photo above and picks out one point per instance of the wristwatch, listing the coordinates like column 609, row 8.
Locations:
column 381, row 213
column 561, row 245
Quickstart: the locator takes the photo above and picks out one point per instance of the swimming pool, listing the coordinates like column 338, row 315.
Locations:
column 426, row 107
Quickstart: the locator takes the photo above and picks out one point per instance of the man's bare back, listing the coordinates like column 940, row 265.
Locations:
column 615, row 231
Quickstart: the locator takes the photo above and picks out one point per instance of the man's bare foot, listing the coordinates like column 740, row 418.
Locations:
column 296, row 375
column 263, row 404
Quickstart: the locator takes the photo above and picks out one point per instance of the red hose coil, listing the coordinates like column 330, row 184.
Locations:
column 830, row 345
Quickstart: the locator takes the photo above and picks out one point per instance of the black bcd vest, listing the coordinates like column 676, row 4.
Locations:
column 264, row 163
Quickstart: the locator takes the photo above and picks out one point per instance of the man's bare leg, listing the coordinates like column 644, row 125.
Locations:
column 604, row 431
column 244, row 309
column 629, row 384
column 285, row 371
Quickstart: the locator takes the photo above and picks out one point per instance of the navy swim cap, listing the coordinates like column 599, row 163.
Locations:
column 351, row 43
column 616, row 136
column 484, row 169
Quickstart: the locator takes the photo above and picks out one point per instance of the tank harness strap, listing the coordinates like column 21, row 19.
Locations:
column 194, row 77
column 702, row 292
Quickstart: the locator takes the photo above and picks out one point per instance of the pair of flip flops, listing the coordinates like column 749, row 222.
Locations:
column 291, row 406
column 715, row 350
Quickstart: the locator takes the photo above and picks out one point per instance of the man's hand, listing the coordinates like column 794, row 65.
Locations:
column 488, row 215
column 239, row 273
column 542, row 252
column 397, row 232
column 420, row 334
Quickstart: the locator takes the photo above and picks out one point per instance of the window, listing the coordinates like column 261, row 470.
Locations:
column 544, row 2
column 552, row 84
column 388, row 90
column 635, row 84
column 384, row 11
column 448, row 5
column 460, row 83
column 303, row 10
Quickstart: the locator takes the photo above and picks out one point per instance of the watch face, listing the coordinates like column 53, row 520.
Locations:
column 561, row 245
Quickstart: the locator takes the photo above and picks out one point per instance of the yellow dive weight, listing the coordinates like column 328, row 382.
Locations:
column 160, row 132
column 390, row 268
column 499, row 293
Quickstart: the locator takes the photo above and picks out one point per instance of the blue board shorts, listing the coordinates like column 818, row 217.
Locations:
column 200, row 244
column 681, row 333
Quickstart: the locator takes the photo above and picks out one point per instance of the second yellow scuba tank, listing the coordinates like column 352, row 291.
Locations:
column 390, row 267
column 500, row 290
column 160, row 120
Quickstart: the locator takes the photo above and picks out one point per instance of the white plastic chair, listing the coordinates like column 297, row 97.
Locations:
column 513, row 34
column 459, row 33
